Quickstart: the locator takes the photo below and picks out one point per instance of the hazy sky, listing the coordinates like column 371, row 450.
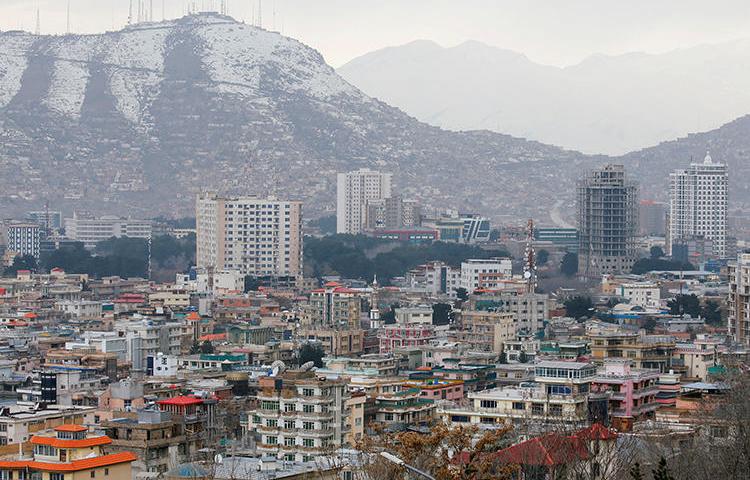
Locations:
column 559, row 32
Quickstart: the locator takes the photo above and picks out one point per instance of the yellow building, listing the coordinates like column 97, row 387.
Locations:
column 69, row 453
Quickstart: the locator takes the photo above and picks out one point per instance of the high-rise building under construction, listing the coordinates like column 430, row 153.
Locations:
column 607, row 222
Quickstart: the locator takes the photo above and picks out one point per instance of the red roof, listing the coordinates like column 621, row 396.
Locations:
column 193, row 316
column 548, row 450
column 65, row 443
column 181, row 400
column 29, row 315
column 74, row 466
column 332, row 284
column 69, row 427
column 213, row 337
column 597, row 431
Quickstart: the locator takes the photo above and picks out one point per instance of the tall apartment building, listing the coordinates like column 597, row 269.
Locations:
column 23, row 239
column 698, row 205
column 607, row 222
column 739, row 299
column 90, row 230
column 392, row 213
column 255, row 236
column 353, row 192
column 299, row 416
column 45, row 219
column 653, row 218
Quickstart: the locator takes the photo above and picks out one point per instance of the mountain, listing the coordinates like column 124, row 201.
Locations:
column 139, row 120
column 136, row 122
column 605, row 104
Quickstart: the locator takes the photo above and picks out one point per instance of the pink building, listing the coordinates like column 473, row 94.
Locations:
column 633, row 392
column 437, row 389
column 396, row 336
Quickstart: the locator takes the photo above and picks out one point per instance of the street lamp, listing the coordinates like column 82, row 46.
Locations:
column 394, row 459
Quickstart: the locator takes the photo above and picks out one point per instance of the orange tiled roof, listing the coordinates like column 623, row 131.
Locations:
column 69, row 427
column 211, row 337
column 74, row 466
column 63, row 443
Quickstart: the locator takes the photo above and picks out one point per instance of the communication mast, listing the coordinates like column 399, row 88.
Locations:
column 529, row 268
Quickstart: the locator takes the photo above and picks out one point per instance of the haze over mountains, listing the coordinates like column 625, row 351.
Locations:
column 136, row 122
column 605, row 104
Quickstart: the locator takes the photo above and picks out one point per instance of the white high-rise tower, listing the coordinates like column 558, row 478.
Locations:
column 698, row 205
column 354, row 190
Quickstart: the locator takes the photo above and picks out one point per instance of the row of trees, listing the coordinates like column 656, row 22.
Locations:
column 356, row 256
column 124, row 257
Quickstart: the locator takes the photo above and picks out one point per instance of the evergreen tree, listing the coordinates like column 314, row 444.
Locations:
column 661, row 472
column 635, row 472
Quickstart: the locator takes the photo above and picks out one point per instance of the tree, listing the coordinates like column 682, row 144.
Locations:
column 311, row 352
column 569, row 264
column 656, row 252
column 195, row 348
column 685, row 304
column 462, row 294
column 442, row 314
column 21, row 262
column 578, row 307
column 661, row 472
column 649, row 324
column 207, row 347
column 711, row 311
column 542, row 256
column 522, row 357
column 445, row 453
column 645, row 265
column 635, row 472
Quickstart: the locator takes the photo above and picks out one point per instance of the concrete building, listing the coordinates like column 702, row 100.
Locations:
column 90, row 230
column 255, row 236
column 559, row 395
column 46, row 219
column 473, row 270
column 353, row 192
column 70, row 452
column 644, row 351
column 739, row 299
column 486, row 331
column 23, row 239
column 299, row 416
column 529, row 309
column 334, row 305
column 392, row 213
column 644, row 294
column 148, row 338
column 653, row 218
column 607, row 222
column 434, row 278
column 396, row 336
column 414, row 315
column 18, row 423
column 632, row 392
column 698, row 203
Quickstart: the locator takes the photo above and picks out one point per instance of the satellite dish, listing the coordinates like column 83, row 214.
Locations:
column 527, row 274
column 218, row 458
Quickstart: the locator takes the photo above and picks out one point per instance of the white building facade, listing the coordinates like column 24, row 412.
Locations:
column 23, row 239
column 353, row 191
column 92, row 230
column 251, row 235
column 698, row 202
column 473, row 270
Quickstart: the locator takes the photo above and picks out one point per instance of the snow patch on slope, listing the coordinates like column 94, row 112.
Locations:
column 13, row 63
column 70, row 73
column 236, row 57
column 136, row 64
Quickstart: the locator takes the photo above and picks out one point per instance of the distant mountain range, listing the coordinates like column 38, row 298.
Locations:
column 136, row 122
column 605, row 104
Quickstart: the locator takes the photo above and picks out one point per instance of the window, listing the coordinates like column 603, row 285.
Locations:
column 272, row 422
column 308, row 425
column 6, row 475
column 555, row 410
column 488, row 404
column 519, row 406
column 289, row 442
column 308, row 392
column 272, row 440
column 308, row 408
column 537, row 409
column 289, row 424
column 93, row 474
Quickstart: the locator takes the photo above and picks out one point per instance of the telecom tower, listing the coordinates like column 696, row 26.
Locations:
column 529, row 255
